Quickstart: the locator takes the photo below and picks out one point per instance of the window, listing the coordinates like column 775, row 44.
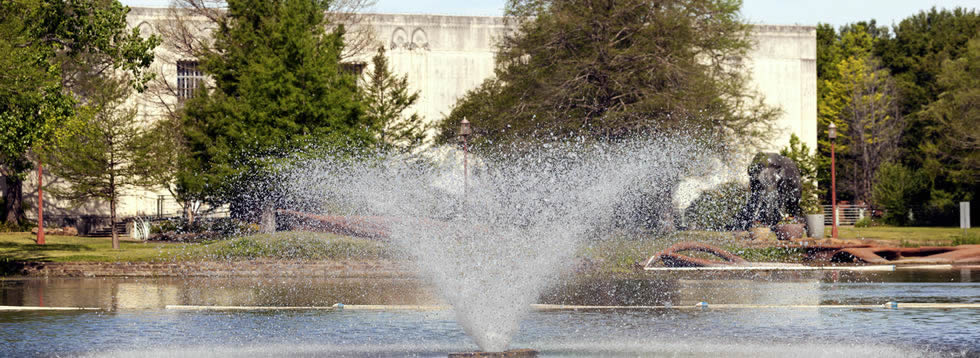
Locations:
column 189, row 79
column 354, row 68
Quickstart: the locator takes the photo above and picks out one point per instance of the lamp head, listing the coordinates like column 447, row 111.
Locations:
column 464, row 128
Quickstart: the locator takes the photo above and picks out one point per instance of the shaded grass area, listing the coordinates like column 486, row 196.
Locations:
column 285, row 245
column 913, row 236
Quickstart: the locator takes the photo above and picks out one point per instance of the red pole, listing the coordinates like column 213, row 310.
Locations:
column 833, row 189
column 40, row 204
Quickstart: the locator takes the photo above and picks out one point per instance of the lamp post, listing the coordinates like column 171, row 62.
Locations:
column 832, row 134
column 464, row 132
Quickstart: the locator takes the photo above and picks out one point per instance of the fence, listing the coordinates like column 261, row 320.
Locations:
column 846, row 214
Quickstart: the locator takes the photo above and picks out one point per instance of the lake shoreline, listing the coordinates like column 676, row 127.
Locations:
column 237, row 268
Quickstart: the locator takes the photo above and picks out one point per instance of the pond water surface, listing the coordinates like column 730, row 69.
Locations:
column 134, row 320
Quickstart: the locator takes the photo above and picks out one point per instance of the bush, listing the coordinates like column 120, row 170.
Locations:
column 966, row 239
column 717, row 208
column 806, row 162
column 199, row 230
column 865, row 222
column 896, row 190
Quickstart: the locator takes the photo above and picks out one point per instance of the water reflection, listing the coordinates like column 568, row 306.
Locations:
column 155, row 293
column 959, row 285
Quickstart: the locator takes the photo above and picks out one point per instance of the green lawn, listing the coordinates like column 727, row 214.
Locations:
column 615, row 253
column 911, row 236
column 286, row 245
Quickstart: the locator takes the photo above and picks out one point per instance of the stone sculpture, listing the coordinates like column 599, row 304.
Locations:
column 774, row 184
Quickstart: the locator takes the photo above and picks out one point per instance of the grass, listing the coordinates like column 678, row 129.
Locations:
column 621, row 253
column 286, row 245
column 21, row 247
column 912, row 236
column 292, row 245
column 616, row 253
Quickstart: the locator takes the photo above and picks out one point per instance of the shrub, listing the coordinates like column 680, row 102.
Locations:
column 897, row 188
column 716, row 209
column 199, row 230
column 966, row 239
column 864, row 222
column 806, row 162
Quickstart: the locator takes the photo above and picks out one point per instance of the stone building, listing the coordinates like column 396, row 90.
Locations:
column 445, row 56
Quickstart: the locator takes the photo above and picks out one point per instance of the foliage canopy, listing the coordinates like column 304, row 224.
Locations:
column 607, row 70
column 278, row 87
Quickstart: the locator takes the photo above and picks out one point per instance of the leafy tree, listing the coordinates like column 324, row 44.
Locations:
column 914, row 55
column 386, row 98
column 611, row 69
column 859, row 96
column 806, row 161
column 874, row 123
column 44, row 48
column 836, row 53
column 278, row 88
column 102, row 151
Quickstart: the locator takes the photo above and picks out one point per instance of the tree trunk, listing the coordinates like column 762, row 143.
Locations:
column 188, row 213
column 14, row 200
column 267, row 220
column 112, row 222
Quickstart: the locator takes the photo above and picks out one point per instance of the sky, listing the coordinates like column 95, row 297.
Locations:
column 770, row 12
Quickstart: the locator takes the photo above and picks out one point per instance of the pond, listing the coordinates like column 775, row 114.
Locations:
column 134, row 320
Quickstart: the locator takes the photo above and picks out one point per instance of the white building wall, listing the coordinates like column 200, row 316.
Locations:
column 783, row 69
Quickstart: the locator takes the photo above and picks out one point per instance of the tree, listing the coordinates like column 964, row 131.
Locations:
column 896, row 190
column 608, row 70
column 914, row 55
column 859, row 96
column 956, row 151
column 31, row 101
column 873, row 118
column 278, row 88
column 806, row 161
column 386, row 98
column 102, row 151
column 834, row 97
column 44, row 49
column 186, row 29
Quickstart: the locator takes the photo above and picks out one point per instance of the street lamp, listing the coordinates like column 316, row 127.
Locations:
column 464, row 132
column 832, row 134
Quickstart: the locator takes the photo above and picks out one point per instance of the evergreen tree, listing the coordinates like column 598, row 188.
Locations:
column 386, row 98
column 956, row 152
column 278, row 88
column 612, row 69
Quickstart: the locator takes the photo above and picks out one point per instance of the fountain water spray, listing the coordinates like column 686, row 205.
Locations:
column 493, row 250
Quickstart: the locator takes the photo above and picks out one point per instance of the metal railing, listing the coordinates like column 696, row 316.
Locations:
column 846, row 214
